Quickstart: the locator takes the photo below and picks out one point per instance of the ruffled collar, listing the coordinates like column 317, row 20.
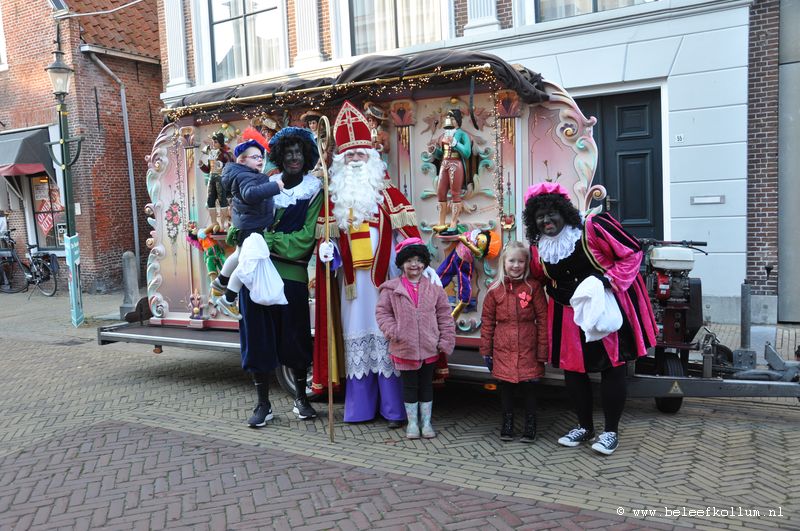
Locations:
column 553, row 249
column 307, row 188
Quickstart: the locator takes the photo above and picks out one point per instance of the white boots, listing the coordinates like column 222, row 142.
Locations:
column 412, row 428
column 425, row 409
column 415, row 412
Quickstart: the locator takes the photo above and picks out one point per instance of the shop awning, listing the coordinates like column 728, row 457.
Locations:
column 25, row 153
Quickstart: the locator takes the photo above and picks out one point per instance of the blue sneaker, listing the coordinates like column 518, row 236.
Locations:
column 606, row 443
column 261, row 414
column 576, row 436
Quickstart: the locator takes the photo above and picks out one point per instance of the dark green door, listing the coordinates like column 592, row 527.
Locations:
column 628, row 136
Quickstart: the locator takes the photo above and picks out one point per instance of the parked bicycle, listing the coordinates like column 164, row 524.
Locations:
column 16, row 276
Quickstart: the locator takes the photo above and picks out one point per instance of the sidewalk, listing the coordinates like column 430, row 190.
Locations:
column 117, row 436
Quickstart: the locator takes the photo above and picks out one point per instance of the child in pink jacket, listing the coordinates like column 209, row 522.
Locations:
column 414, row 315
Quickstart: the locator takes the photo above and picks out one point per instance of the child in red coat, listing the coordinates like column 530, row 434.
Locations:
column 514, row 336
column 414, row 315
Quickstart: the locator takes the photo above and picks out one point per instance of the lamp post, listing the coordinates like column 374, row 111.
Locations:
column 60, row 76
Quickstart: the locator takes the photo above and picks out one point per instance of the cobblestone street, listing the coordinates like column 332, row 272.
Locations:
column 119, row 437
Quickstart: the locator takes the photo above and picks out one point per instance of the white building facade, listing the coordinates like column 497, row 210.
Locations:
column 684, row 61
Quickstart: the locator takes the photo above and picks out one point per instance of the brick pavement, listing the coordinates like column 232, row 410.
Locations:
column 63, row 399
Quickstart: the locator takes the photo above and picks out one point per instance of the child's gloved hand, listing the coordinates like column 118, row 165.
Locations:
column 430, row 274
column 489, row 361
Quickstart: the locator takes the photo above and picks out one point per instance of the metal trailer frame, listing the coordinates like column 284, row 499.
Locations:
column 466, row 365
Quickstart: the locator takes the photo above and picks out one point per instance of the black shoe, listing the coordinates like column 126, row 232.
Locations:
column 529, row 432
column 302, row 408
column 507, row 429
column 261, row 414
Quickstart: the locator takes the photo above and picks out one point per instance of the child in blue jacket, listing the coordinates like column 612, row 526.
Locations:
column 252, row 212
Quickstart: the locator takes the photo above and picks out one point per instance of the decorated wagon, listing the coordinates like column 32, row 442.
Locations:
column 520, row 129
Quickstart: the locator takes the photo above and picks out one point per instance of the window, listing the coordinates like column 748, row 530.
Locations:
column 555, row 9
column 378, row 25
column 48, row 212
column 245, row 37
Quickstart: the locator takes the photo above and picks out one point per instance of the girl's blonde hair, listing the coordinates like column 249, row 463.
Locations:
column 512, row 246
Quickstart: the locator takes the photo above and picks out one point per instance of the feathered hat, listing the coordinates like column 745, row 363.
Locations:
column 252, row 133
column 351, row 130
column 545, row 188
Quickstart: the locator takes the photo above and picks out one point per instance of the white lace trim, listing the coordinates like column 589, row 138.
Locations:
column 309, row 186
column 553, row 249
column 367, row 353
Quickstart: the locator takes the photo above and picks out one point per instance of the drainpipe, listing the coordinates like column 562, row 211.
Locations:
column 128, row 153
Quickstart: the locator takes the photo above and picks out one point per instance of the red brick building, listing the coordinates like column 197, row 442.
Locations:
column 109, row 52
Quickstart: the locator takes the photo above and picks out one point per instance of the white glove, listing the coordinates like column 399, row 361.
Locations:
column 430, row 274
column 325, row 253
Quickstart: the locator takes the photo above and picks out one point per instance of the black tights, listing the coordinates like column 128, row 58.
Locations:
column 613, row 392
column 507, row 396
column 418, row 384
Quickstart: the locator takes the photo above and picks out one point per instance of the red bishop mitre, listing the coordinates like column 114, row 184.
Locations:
column 351, row 130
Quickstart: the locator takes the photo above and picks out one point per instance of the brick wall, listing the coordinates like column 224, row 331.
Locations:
column 292, row 30
column 162, row 37
column 326, row 46
column 26, row 97
column 100, row 175
column 505, row 14
column 762, row 155
column 461, row 16
column 191, row 74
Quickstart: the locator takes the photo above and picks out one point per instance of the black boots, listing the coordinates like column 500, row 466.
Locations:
column 507, row 429
column 263, row 410
column 529, row 432
column 302, row 407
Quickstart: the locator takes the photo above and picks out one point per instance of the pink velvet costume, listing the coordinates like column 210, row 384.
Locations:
column 604, row 249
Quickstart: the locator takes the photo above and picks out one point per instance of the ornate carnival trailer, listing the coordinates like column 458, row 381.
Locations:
column 521, row 129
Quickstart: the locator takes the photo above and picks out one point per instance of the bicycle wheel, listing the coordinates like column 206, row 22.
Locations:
column 12, row 277
column 45, row 280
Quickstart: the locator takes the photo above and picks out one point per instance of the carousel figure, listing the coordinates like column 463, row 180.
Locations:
column 213, row 160
column 460, row 262
column 453, row 148
column 376, row 117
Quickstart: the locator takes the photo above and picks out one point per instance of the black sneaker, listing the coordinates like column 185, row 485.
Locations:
column 576, row 437
column 261, row 414
column 606, row 443
column 302, row 408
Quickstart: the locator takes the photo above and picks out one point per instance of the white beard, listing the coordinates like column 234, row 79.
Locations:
column 356, row 189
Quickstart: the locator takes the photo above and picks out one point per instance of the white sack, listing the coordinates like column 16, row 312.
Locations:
column 595, row 309
column 258, row 273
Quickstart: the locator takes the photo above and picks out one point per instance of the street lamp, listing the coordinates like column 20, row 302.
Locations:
column 60, row 76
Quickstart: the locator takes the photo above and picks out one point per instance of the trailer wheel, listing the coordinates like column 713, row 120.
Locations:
column 672, row 367
column 286, row 380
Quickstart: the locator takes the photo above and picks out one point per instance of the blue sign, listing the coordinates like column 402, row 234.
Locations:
column 74, row 280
